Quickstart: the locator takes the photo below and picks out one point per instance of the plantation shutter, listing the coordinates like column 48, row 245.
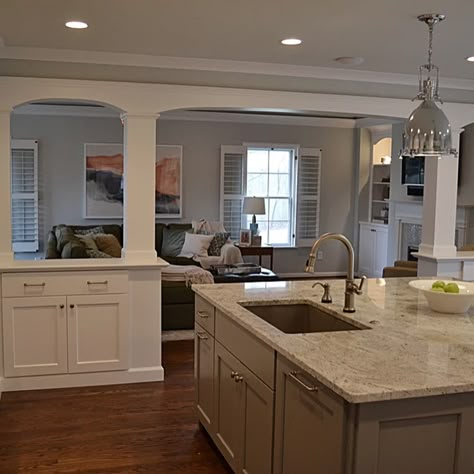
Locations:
column 308, row 196
column 24, row 195
column 233, row 184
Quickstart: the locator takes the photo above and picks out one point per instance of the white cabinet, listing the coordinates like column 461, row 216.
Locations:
column 373, row 247
column 60, row 334
column 97, row 333
column 35, row 336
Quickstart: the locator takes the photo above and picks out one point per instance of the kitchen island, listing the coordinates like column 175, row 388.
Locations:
column 393, row 395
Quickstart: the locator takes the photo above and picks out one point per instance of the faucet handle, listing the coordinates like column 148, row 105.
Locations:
column 358, row 289
column 326, row 298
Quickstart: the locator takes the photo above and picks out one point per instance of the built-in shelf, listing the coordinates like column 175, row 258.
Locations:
column 381, row 182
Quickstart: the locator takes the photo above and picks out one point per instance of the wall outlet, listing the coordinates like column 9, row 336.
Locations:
column 320, row 255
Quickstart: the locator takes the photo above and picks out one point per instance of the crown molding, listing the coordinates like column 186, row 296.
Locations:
column 202, row 64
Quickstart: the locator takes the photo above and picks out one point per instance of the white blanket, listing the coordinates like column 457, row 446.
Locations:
column 230, row 255
column 187, row 273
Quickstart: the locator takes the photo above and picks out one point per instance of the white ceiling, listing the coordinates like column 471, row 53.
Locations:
column 139, row 34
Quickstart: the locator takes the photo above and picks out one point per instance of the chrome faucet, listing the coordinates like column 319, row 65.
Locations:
column 351, row 286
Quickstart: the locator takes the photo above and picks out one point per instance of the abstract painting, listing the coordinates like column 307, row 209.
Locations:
column 104, row 165
column 104, row 181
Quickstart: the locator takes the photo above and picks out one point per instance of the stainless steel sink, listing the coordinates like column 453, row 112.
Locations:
column 300, row 318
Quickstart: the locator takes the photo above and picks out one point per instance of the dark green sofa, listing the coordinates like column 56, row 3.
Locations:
column 177, row 299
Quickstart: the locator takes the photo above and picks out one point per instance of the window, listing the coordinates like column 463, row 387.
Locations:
column 270, row 173
column 24, row 194
column 289, row 180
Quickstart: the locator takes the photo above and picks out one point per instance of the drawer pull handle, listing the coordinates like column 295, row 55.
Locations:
column 105, row 282
column 310, row 388
column 203, row 314
column 202, row 336
column 26, row 285
column 373, row 230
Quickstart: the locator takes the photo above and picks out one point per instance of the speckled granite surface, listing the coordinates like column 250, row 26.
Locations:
column 409, row 351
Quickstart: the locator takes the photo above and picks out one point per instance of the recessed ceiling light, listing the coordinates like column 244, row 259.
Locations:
column 350, row 60
column 470, row 59
column 291, row 41
column 77, row 25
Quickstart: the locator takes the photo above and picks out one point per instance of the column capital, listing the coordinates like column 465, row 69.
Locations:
column 139, row 115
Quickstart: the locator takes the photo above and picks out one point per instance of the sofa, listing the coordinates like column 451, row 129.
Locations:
column 177, row 299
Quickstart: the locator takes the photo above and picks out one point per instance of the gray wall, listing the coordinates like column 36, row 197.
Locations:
column 61, row 141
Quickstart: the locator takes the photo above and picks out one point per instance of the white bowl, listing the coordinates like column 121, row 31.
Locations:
column 441, row 302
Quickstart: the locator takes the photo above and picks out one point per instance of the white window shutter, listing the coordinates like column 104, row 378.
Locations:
column 24, row 195
column 308, row 196
column 233, row 184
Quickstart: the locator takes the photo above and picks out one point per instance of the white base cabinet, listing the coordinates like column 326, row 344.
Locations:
column 65, row 333
column 373, row 248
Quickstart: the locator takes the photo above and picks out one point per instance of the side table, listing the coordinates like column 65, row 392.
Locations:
column 258, row 251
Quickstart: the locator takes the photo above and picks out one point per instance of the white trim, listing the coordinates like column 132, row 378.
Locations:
column 220, row 65
column 135, row 375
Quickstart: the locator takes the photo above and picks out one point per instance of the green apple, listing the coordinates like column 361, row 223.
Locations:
column 438, row 284
column 451, row 288
column 438, row 290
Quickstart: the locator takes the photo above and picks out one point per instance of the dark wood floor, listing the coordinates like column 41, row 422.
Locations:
column 136, row 428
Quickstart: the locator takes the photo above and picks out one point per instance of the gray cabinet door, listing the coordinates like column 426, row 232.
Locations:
column 257, row 402
column 309, row 425
column 227, row 405
column 204, row 375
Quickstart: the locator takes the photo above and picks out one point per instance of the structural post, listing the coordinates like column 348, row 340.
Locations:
column 6, row 252
column 439, row 213
column 139, row 186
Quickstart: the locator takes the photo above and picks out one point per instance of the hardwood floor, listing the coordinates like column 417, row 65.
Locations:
column 136, row 428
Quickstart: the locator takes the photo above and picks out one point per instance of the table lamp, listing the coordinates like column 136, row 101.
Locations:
column 253, row 206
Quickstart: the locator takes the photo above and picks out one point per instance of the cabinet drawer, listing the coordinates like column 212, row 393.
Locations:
column 67, row 283
column 256, row 355
column 204, row 314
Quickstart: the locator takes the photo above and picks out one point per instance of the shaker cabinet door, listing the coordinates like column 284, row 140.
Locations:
column 204, row 375
column 35, row 336
column 309, row 425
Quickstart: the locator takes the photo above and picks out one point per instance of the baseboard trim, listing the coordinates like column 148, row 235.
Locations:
column 134, row 375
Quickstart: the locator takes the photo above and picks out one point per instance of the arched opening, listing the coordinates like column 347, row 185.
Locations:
column 67, row 169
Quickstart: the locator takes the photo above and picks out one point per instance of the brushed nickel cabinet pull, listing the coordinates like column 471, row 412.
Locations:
column 310, row 388
column 203, row 314
column 34, row 284
column 202, row 336
column 105, row 282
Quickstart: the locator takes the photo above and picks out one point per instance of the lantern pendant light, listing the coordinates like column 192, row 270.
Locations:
column 427, row 130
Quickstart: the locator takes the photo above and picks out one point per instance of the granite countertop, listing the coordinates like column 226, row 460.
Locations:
column 409, row 350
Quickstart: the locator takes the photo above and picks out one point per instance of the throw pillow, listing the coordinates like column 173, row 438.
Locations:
column 74, row 249
column 109, row 244
column 93, row 230
column 220, row 238
column 173, row 241
column 196, row 244
column 88, row 241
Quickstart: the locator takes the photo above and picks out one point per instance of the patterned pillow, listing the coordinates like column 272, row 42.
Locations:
column 97, row 254
column 220, row 238
column 94, row 230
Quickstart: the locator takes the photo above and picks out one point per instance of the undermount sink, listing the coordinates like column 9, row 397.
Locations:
column 299, row 318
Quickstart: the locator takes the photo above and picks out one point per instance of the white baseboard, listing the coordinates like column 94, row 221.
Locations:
column 135, row 375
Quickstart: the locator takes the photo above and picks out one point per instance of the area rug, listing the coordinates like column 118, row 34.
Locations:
column 181, row 335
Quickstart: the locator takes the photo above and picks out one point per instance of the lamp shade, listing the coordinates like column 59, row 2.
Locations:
column 427, row 132
column 254, row 205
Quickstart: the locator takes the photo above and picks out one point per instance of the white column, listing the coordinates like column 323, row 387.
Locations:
column 139, row 186
column 439, row 213
column 6, row 252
